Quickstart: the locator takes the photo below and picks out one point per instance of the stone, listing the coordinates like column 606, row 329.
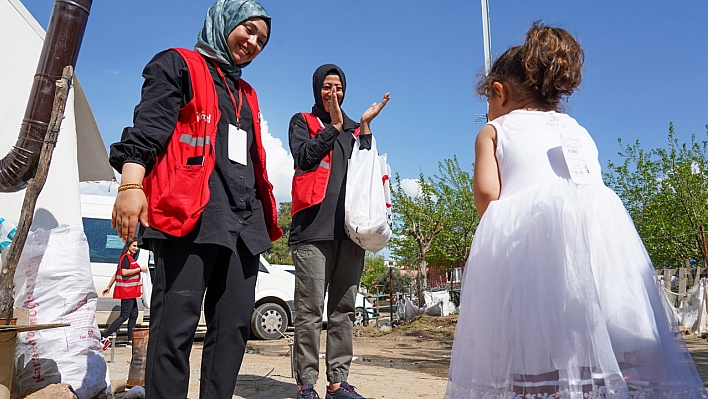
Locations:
column 54, row 391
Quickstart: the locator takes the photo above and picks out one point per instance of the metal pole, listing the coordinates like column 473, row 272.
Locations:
column 487, row 34
column 113, row 347
column 61, row 48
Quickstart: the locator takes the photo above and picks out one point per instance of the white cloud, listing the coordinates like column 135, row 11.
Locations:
column 411, row 187
column 279, row 163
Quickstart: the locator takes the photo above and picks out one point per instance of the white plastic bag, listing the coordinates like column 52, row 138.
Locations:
column 147, row 288
column 53, row 280
column 366, row 214
column 386, row 179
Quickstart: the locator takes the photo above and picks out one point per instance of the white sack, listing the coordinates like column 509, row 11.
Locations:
column 365, row 212
column 53, row 280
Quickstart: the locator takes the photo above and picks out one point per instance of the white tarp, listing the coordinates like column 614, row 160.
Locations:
column 434, row 297
column 80, row 154
column 692, row 312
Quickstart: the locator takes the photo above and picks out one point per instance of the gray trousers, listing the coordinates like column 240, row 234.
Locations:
column 320, row 265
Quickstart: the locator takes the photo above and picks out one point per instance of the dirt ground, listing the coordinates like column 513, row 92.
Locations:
column 410, row 361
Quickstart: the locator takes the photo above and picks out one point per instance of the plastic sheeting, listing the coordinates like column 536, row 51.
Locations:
column 407, row 310
column 692, row 312
column 442, row 297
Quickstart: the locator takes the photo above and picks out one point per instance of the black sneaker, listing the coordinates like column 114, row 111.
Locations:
column 106, row 343
column 307, row 392
column 345, row 391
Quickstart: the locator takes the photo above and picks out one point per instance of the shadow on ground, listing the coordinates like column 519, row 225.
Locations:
column 256, row 387
column 700, row 357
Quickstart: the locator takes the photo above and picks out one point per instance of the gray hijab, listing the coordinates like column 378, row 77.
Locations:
column 222, row 17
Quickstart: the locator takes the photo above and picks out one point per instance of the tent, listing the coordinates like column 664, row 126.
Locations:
column 80, row 154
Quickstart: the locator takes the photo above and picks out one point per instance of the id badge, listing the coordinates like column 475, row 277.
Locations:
column 576, row 157
column 237, row 145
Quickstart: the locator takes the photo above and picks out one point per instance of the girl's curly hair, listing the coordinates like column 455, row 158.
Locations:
column 546, row 68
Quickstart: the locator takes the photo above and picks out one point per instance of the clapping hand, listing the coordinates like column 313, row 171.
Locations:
column 371, row 113
column 334, row 111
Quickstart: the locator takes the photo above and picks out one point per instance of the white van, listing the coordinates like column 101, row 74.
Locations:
column 364, row 310
column 104, row 250
column 274, row 308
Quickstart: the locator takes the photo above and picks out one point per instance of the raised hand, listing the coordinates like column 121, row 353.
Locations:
column 371, row 113
column 334, row 111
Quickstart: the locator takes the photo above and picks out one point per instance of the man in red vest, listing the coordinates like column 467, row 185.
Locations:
column 324, row 257
column 194, row 173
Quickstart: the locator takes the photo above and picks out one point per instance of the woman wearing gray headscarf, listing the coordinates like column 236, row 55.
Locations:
column 194, row 178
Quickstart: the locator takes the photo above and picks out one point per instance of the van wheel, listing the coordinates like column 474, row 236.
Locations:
column 269, row 321
column 361, row 318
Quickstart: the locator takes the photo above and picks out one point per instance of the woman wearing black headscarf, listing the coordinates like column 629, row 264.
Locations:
column 325, row 259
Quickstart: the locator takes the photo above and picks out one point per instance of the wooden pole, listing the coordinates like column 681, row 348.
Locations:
column 667, row 279
column 682, row 285
column 34, row 187
column 705, row 248
column 698, row 276
column 390, row 299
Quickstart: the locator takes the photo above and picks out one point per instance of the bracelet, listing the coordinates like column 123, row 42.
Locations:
column 124, row 187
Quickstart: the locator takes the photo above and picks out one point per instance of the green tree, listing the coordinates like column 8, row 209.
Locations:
column 454, row 187
column 417, row 221
column 280, row 253
column 665, row 190
column 373, row 268
column 401, row 282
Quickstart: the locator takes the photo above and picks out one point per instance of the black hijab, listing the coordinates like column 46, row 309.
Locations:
column 317, row 82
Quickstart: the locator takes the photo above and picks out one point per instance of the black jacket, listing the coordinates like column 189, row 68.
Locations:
column 234, row 209
column 324, row 221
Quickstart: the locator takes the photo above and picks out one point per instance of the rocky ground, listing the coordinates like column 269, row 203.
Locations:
column 410, row 361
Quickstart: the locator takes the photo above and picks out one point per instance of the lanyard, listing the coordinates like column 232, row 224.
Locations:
column 233, row 100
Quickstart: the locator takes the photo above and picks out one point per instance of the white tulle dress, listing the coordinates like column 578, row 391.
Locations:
column 559, row 297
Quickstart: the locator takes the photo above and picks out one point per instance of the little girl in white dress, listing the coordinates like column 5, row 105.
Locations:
column 559, row 296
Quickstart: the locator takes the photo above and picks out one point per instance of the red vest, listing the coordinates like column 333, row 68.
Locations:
column 177, row 188
column 309, row 186
column 127, row 287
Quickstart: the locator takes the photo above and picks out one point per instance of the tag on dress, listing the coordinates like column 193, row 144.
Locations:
column 237, row 145
column 576, row 157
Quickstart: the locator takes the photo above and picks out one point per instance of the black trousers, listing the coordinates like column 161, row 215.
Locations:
column 128, row 311
column 184, row 272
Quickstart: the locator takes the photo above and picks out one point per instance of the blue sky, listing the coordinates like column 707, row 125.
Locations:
column 646, row 65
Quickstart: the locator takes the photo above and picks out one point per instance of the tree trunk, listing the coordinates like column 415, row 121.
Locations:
column 422, row 280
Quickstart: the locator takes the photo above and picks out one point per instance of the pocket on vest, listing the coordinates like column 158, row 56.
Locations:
column 184, row 193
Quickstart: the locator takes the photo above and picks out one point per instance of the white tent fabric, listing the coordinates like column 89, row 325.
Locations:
column 80, row 154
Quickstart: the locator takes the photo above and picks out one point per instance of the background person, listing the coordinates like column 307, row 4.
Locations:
column 324, row 257
column 128, row 289
column 196, row 144
column 559, row 297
